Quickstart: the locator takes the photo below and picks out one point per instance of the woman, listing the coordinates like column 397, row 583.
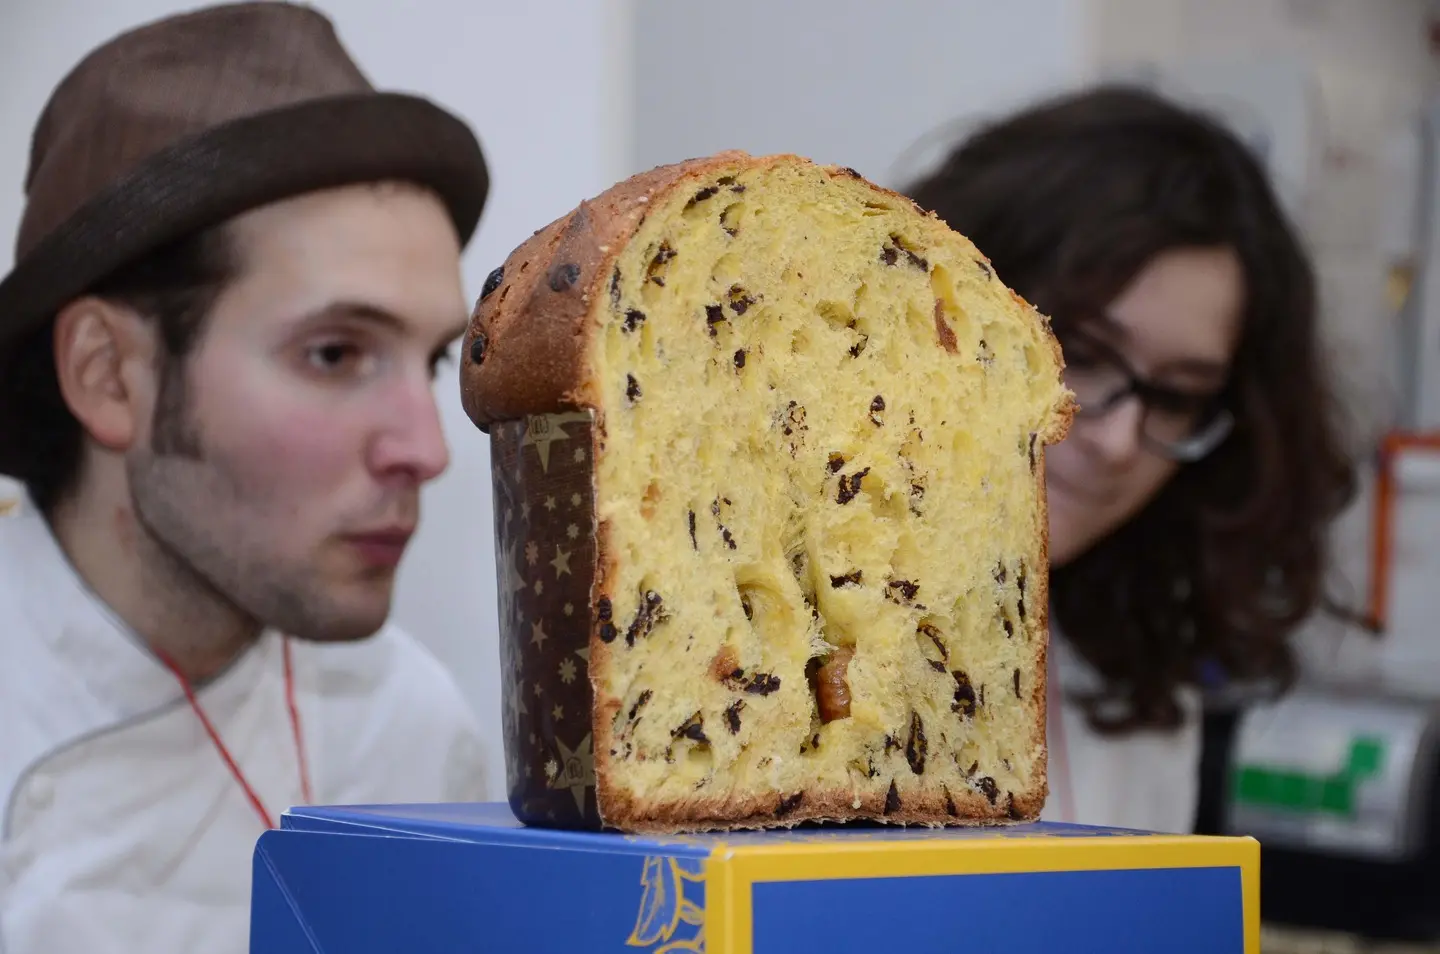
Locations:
column 1189, row 506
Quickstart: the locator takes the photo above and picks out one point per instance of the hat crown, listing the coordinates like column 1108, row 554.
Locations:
column 164, row 82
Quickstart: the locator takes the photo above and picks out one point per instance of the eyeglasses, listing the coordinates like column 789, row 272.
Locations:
column 1177, row 425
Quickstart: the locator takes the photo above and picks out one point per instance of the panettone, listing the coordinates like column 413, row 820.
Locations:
column 767, row 445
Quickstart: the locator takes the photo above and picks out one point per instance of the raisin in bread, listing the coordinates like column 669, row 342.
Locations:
column 767, row 447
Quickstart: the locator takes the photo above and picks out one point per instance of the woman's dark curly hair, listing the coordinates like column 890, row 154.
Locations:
column 1070, row 200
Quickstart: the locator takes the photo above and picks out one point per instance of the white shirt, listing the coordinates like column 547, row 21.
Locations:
column 1147, row 780
column 123, row 830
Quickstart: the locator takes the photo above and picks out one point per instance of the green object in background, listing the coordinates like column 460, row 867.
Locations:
column 1298, row 792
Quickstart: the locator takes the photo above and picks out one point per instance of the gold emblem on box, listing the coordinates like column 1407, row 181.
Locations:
column 664, row 907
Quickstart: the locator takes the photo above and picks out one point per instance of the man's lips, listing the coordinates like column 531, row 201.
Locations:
column 382, row 548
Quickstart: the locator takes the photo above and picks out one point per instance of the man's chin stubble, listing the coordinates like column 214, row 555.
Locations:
column 192, row 568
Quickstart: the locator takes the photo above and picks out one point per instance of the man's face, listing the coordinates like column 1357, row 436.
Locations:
column 307, row 404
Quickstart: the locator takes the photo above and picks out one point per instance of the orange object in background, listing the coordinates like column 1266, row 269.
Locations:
column 1392, row 446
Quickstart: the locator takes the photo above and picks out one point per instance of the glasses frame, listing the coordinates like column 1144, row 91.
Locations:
column 1218, row 423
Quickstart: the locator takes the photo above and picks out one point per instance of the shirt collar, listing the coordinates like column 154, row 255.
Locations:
column 61, row 610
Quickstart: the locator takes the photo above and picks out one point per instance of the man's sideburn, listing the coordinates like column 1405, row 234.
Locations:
column 172, row 432
column 175, row 439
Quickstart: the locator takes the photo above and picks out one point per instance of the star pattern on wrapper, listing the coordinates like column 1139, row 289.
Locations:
column 546, row 565
column 577, row 770
column 513, row 580
column 541, row 431
column 513, row 704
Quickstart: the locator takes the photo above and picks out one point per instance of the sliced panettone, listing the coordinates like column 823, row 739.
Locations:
column 767, row 444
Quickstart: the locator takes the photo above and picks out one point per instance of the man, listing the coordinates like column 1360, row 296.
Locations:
column 237, row 268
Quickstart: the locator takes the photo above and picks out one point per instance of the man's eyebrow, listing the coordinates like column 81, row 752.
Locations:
column 356, row 310
column 375, row 315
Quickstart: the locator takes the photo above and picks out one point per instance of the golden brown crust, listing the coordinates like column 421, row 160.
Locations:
column 927, row 808
column 1041, row 690
column 607, row 707
column 536, row 323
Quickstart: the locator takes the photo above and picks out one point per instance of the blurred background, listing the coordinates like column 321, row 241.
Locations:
column 1339, row 97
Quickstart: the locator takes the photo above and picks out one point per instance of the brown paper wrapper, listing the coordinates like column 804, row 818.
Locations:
column 545, row 558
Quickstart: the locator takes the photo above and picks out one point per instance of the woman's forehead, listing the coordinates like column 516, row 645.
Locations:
column 1183, row 308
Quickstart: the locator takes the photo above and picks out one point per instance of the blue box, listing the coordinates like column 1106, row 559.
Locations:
column 431, row 878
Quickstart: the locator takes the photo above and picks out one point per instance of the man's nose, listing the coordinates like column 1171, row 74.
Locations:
column 412, row 442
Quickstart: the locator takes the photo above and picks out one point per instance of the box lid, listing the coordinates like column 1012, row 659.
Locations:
column 446, row 877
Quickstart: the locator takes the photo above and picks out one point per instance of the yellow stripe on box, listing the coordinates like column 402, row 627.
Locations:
column 732, row 871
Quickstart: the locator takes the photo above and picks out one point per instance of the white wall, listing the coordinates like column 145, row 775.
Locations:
column 540, row 82
column 849, row 82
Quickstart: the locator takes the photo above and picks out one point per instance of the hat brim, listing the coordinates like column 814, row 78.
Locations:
column 238, row 166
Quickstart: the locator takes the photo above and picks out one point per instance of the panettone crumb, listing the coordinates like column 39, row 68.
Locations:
column 822, row 511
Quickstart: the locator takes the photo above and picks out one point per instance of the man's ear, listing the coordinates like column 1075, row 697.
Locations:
column 104, row 359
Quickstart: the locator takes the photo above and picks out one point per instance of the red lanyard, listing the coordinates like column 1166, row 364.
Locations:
column 258, row 805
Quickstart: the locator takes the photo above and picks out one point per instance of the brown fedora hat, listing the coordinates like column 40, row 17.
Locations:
column 189, row 121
